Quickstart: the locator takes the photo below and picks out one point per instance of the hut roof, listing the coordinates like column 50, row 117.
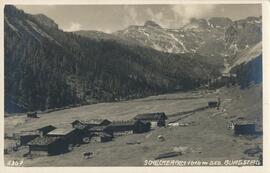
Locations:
column 31, row 113
column 92, row 121
column 45, row 140
column 75, row 121
column 213, row 101
column 61, row 131
column 26, row 133
column 47, row 128
column 96, row 121
column 123, row 123
column 151, row 116
column 243, row 122
column 98, row 128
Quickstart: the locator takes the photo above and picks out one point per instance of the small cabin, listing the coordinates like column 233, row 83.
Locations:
column 122, row 126
column 100, row 129
column 158, row 118
column 213, row 104
column 102, row 137
column 48, row 145
column 132, row 126
column 69, row 134
column 141, row 126
column 244, row 128
column 27, row 136
column 32, row 115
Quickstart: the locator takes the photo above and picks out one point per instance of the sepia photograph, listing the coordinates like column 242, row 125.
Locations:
column 145, row 85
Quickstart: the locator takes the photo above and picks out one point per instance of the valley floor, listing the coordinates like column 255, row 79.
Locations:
column 205, row 138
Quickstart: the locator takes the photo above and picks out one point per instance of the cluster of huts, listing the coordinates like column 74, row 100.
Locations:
column 50, row 140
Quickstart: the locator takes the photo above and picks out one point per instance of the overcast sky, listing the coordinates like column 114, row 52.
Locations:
column 110, row 18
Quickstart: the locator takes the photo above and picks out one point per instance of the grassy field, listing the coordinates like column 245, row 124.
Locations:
column 206, row 137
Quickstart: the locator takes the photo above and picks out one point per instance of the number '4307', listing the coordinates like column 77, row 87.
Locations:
column 15, row 163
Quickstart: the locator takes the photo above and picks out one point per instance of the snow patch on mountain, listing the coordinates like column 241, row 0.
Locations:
column 28, row 31
column 249, row 55
column 212, row 38
column 178, row 41
column 141, row 30
column 41, row 32
column 245, row 56
column 157, row 47
column 11, row 26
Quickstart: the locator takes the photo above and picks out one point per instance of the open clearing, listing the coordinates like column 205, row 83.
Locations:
column 206, row 138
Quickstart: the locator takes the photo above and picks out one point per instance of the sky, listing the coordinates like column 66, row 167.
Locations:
column 110, row 18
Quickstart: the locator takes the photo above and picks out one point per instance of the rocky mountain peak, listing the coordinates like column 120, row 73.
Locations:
column 220, row 21
column 151, row 24
column 196, row 23
column 252, row 18
column 11, row 10
column 45, row 21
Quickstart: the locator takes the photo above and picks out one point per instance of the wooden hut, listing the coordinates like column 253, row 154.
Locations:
column 213, row 104
column 70, row 135
column 158, row 118
column 27, row 136
column 132, row 126
column 48, row 145
column 119, row 127
column 100, row 129
column 102, row 137
column 141, row 126
column 32, row 115
column 244, row 127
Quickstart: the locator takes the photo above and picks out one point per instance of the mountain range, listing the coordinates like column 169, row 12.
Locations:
column 46, row 67
column 214, row 38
